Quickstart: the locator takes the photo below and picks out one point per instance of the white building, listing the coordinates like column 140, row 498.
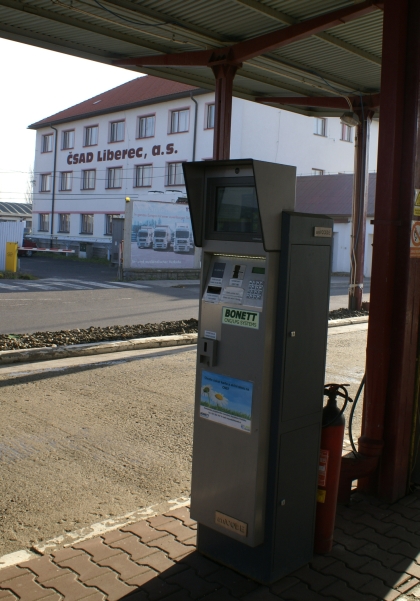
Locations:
column 132, row 140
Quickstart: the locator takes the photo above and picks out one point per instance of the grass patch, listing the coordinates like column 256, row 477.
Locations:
column 76, row 258
column 223, row 410
column 11, row 275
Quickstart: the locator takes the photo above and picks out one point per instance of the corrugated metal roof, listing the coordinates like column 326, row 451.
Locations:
column 15, row 209
column 346, row 57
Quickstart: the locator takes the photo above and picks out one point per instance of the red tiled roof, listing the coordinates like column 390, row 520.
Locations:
column 134, row 93
column 330, row 194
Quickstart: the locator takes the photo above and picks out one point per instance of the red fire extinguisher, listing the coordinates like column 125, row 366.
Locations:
column 333, row 423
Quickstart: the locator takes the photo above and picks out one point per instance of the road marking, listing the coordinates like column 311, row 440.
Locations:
column 83, row 283
column 10, row 287
column 131, row 285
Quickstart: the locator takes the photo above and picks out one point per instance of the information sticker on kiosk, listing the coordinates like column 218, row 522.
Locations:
column 255, row 409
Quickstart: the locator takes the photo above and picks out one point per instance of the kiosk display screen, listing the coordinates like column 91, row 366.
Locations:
column 236, row 210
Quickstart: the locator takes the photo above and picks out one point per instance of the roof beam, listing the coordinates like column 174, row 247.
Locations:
column 282, row 17
column 243, row 51
column 333, row 102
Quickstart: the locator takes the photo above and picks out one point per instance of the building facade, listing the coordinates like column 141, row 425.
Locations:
column 130, row 143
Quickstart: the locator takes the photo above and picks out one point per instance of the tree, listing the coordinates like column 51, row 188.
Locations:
column 29, row 193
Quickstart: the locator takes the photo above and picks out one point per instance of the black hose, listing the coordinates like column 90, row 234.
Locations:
column 345, row 396
column 356, row 398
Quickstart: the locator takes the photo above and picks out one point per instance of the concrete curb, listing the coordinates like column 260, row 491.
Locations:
column 100, row 348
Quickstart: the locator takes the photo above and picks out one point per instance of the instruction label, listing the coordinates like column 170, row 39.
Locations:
column 416, row 202
column 415, row 239
column 240, row 317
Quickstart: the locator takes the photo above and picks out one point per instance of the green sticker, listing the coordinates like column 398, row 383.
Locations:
column 241, row 317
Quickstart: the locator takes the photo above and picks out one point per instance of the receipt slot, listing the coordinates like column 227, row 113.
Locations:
column 260, row 365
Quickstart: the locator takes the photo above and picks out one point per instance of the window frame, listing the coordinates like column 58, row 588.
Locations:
column 108, row 172
column 178, row 110
column 82, row 216
column 111, row 124
column 70, row 173
column 84, row 135
column 63, row 137
column 324, row 127
column 316, row 171
column 41, row 179
column 45, row 219
column 206, row 115
column 43, row 138
column 109, row 217
column 167, row 174
column 60, row 229
column 83, row 179
column 139, row 119
column 345, row 127
column 143, row 185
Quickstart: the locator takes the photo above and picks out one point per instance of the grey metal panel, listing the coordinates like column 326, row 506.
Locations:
column 276, row 191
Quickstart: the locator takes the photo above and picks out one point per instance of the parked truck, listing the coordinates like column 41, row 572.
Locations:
column 183, row 241
column 145, row 237
column 162, row 237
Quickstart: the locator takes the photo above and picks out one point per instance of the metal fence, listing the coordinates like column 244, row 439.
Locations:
column 10, row 231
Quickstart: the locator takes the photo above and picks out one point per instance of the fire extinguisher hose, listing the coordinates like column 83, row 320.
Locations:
column 353, row 409
column 344, row 395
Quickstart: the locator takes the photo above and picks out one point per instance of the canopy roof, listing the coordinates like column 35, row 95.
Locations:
column 317, row 48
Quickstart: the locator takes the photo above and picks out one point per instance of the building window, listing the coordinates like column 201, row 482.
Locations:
column 318, row 172
column 68, row 139
column 65, row 180
column 143, row 176
column 210, row 116
column 180, row 121
column 175, row 175
column 47, row 143
column 114, row 177
column 45, row 185
column 116, row 132
column 88, row 179
column 346, row 133
column 320, row 127
column 108, row 224
column 86, row 224
column 44, row 222
column 146, row 126
column 64, row 223
column 91, row 135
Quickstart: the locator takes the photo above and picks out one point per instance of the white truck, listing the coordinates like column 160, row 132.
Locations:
column 183, row 242
column 162, row 237
column 145, row 237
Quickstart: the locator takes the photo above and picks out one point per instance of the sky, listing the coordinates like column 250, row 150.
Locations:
column 37, row 83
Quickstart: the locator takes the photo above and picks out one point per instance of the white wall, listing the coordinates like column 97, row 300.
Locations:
column 10, row 231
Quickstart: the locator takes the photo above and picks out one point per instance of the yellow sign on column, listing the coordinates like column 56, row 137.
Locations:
column 11, row 256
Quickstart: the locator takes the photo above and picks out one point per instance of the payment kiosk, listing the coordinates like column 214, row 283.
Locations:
column 260, row 365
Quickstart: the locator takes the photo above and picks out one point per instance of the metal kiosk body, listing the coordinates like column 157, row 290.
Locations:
column 260, row 365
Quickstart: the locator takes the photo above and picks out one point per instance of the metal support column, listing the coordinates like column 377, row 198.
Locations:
column 395, row 287
column 224, row 74
column 360, row 202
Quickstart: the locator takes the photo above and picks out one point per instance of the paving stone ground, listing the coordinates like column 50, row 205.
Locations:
column 376, row 556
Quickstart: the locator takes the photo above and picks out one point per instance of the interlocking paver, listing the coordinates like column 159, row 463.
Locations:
column 141, row 579
column 315, row 580
column 168, row 544
column 8, row 596
column 262, row 593
column 44, row 569
column 109, row 584
column 200, row 564
column 370, row 535
column 400, row 520
column 63, row 554
column 156, row 588
column 349, row 527
column 69, row 587
column 196, row 586
column 25, row 587
column 407, row 586
column 183, row 514
column 144, row 531
column 222, row 594
column 320, row 561
column 371, row 521
column 96, row 548
column 114, row 535
column 181, row 532
column 157, row 561
column 122, row 564
column 342, row 591
column 402, row 534
column 380, row 590
column 191, row 541
column 342, row 572
column 12, row 572
column 158, row 520
column 392, row 578
column 410, row 567
column 404, row 548
column 300, row 592
column 352, row 560
column 387, row 558
column 283, row 584
column 349, row 542
column 238, row 585
column 134, row 547
column 85, row 568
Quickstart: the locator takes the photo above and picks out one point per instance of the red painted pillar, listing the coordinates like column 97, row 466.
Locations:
column 395, row 286
column 224, row 74
column 359, row 212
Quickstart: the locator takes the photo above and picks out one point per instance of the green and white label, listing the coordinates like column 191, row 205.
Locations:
column 241, row 317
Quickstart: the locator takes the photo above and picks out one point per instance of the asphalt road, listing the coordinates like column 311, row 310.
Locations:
column 77, row 294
